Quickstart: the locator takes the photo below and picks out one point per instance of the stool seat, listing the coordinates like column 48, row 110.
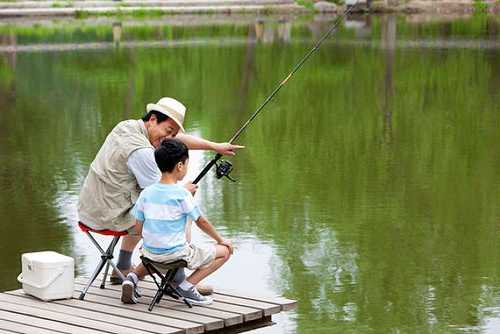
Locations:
column 164, row 266
column 86, row 228
column 166, row 272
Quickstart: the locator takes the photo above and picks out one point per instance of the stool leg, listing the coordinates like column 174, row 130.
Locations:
column 117, row 270
column 174, row 292
column 156, row 299
column 103, row 282
column 109, row 257
column 92, row 279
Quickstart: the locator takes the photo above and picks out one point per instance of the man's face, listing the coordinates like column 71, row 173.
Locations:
column 160, row 131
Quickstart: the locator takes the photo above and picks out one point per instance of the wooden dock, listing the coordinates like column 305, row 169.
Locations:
column 103, row 312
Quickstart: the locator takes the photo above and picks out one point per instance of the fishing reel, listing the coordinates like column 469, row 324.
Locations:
column 224, row 168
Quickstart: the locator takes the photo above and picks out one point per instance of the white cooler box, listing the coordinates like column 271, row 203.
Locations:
column 47, row 275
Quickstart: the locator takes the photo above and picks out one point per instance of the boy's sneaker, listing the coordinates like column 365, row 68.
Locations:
column 203, row 289
column 194, row 297
column 129, row 295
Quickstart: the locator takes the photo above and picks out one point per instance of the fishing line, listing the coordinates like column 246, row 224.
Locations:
column 225, row 167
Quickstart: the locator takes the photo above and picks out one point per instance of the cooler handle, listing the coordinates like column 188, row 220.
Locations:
column 20, row 279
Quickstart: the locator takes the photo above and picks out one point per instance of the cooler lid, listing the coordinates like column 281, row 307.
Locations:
column 47, row 259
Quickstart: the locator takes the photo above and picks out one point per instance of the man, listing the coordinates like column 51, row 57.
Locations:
column 125, row 165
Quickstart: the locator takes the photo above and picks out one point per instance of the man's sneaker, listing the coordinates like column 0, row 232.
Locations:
column 204, row 289
column 129, row 295
column 194, row 297
column 114, row 279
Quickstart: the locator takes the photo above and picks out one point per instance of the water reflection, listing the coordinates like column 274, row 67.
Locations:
column 369, row 189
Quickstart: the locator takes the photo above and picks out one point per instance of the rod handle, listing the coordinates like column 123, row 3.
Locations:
column 207, row 168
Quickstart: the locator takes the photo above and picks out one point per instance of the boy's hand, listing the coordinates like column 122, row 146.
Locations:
column 191, row 187
column 228, row 243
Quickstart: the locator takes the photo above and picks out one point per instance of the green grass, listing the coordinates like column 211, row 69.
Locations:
column 305, row 3
column 82, row 14
column 140, row 13
column 480, row 7
column 146, row 13
column 62, row 4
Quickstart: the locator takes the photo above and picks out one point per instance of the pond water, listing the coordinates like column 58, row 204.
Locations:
column 369, row 189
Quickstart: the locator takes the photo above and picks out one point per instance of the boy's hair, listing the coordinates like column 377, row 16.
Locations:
column 169, row 153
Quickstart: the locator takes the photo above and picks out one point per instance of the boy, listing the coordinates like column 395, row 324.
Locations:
column 161, row 213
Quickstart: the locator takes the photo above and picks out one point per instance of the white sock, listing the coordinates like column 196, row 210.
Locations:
column 185, row 285
column 133, row 277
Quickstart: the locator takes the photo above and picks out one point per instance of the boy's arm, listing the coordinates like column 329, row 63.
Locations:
column 188, row 231
column 209, row 229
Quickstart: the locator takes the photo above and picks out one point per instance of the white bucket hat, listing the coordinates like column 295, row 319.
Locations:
column 170, row 107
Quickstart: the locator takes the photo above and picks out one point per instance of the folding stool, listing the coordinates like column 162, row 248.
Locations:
column 165, row 287
column 106, row 256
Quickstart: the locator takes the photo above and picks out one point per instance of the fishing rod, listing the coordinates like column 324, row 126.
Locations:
column 224, row 168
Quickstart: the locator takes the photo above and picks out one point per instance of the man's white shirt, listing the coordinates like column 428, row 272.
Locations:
column 142, row 164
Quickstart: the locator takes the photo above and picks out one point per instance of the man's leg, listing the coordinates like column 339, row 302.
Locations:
column 125, row 257
column 129, row 286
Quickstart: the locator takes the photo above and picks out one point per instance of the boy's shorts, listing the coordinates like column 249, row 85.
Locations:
column 195, row 256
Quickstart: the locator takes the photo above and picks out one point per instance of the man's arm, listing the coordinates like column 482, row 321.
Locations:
column 197, row 143
column 142, row 164
column 138, row 227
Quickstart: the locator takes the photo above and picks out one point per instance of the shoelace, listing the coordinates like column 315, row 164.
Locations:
column 197, row 294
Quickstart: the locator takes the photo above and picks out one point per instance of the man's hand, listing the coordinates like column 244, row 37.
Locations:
column 228, row 243
column 191, row 187
column 226, row 148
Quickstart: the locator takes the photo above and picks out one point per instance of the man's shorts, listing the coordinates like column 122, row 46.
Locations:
column 195, row 256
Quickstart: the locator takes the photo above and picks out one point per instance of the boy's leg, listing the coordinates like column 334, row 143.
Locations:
column 221, row 256
column 187, row 288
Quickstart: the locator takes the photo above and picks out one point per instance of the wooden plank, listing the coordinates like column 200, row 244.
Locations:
column 16, row 327
column 53, row 326
column 111, row 298
column 132, row 325
column 137, row 310
column 210, row 323
column 229, row 319
column 5, row 332
column 247, row 312
column 116, row 310
column 66, row 318
column 285, row 303
column 149, row 323
column 248, row 326
column 267, row 308
column 2, row 331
